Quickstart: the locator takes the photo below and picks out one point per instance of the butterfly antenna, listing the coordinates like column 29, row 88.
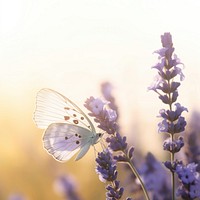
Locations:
column 95, row 152
column 103, row 143
column 103, row 147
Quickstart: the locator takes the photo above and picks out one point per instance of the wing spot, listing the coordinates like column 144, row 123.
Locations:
column 66, row 118
column 76, row 134
column 66, row 138
column 66, row 108
column 82, row 118
column 77, row 142
column 75, row 121
column 79, row 136
column 74, row 115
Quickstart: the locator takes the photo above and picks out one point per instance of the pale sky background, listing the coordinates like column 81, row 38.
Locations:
column 73, row 46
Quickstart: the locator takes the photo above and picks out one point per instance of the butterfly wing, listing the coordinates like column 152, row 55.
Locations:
column 63, row 140
column 52, row 107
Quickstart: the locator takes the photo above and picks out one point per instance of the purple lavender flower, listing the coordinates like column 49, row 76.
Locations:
column 114, row 191
column 173, row 146
column 105, row 116
column 172, row 165
column 155, row 178
column 106, row 168
column 66, row 186
column 173, row 115
column 156, row 83
column 172, row 122
column 96, row 105
column 16, row 197
column 168, row 65
column 190, row 181
column 106, row 89
column 167, row 88
column 194, row 190
column 186, row 173
column 166, row 40
column 169, row 68
column 117, row 143
column 192, row 147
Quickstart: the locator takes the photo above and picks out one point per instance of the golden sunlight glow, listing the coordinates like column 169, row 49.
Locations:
column 72, row 47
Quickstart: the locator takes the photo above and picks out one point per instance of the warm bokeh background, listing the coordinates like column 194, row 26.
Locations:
column 72, row 47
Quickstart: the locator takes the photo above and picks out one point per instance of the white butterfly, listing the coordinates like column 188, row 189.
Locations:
column 68, row 129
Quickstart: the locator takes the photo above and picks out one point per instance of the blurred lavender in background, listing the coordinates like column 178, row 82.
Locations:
column 189, row 174
column 192, row 137
column 66, row 186
column 189, row 181
column 16, row 197
column 106, row 90
column 156, row 179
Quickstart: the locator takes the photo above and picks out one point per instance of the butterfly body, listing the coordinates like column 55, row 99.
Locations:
column 68, row 129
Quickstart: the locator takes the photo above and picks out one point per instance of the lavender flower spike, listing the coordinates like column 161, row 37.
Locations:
column 168, row 69
column 106, row 168
column 103, row 115
column 167, row 88
column 106, row 117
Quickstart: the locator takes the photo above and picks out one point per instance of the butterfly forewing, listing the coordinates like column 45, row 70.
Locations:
column 68, row 129
column 53, row 107
column 64, row 140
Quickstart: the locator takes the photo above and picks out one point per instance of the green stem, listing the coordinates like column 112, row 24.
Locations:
column 173, row 177
column 172, row 154
column 138, row 176
column 173, row 186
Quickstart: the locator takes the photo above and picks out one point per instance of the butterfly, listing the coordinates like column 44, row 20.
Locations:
column 67, row 128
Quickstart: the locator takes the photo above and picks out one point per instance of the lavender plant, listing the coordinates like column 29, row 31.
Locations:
column 189, row 181
column 116, row 144
column 106, row 168
column 173, row 122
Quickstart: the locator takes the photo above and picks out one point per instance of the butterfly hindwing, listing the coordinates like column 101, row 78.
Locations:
column 52, row 107
column 64, row 140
